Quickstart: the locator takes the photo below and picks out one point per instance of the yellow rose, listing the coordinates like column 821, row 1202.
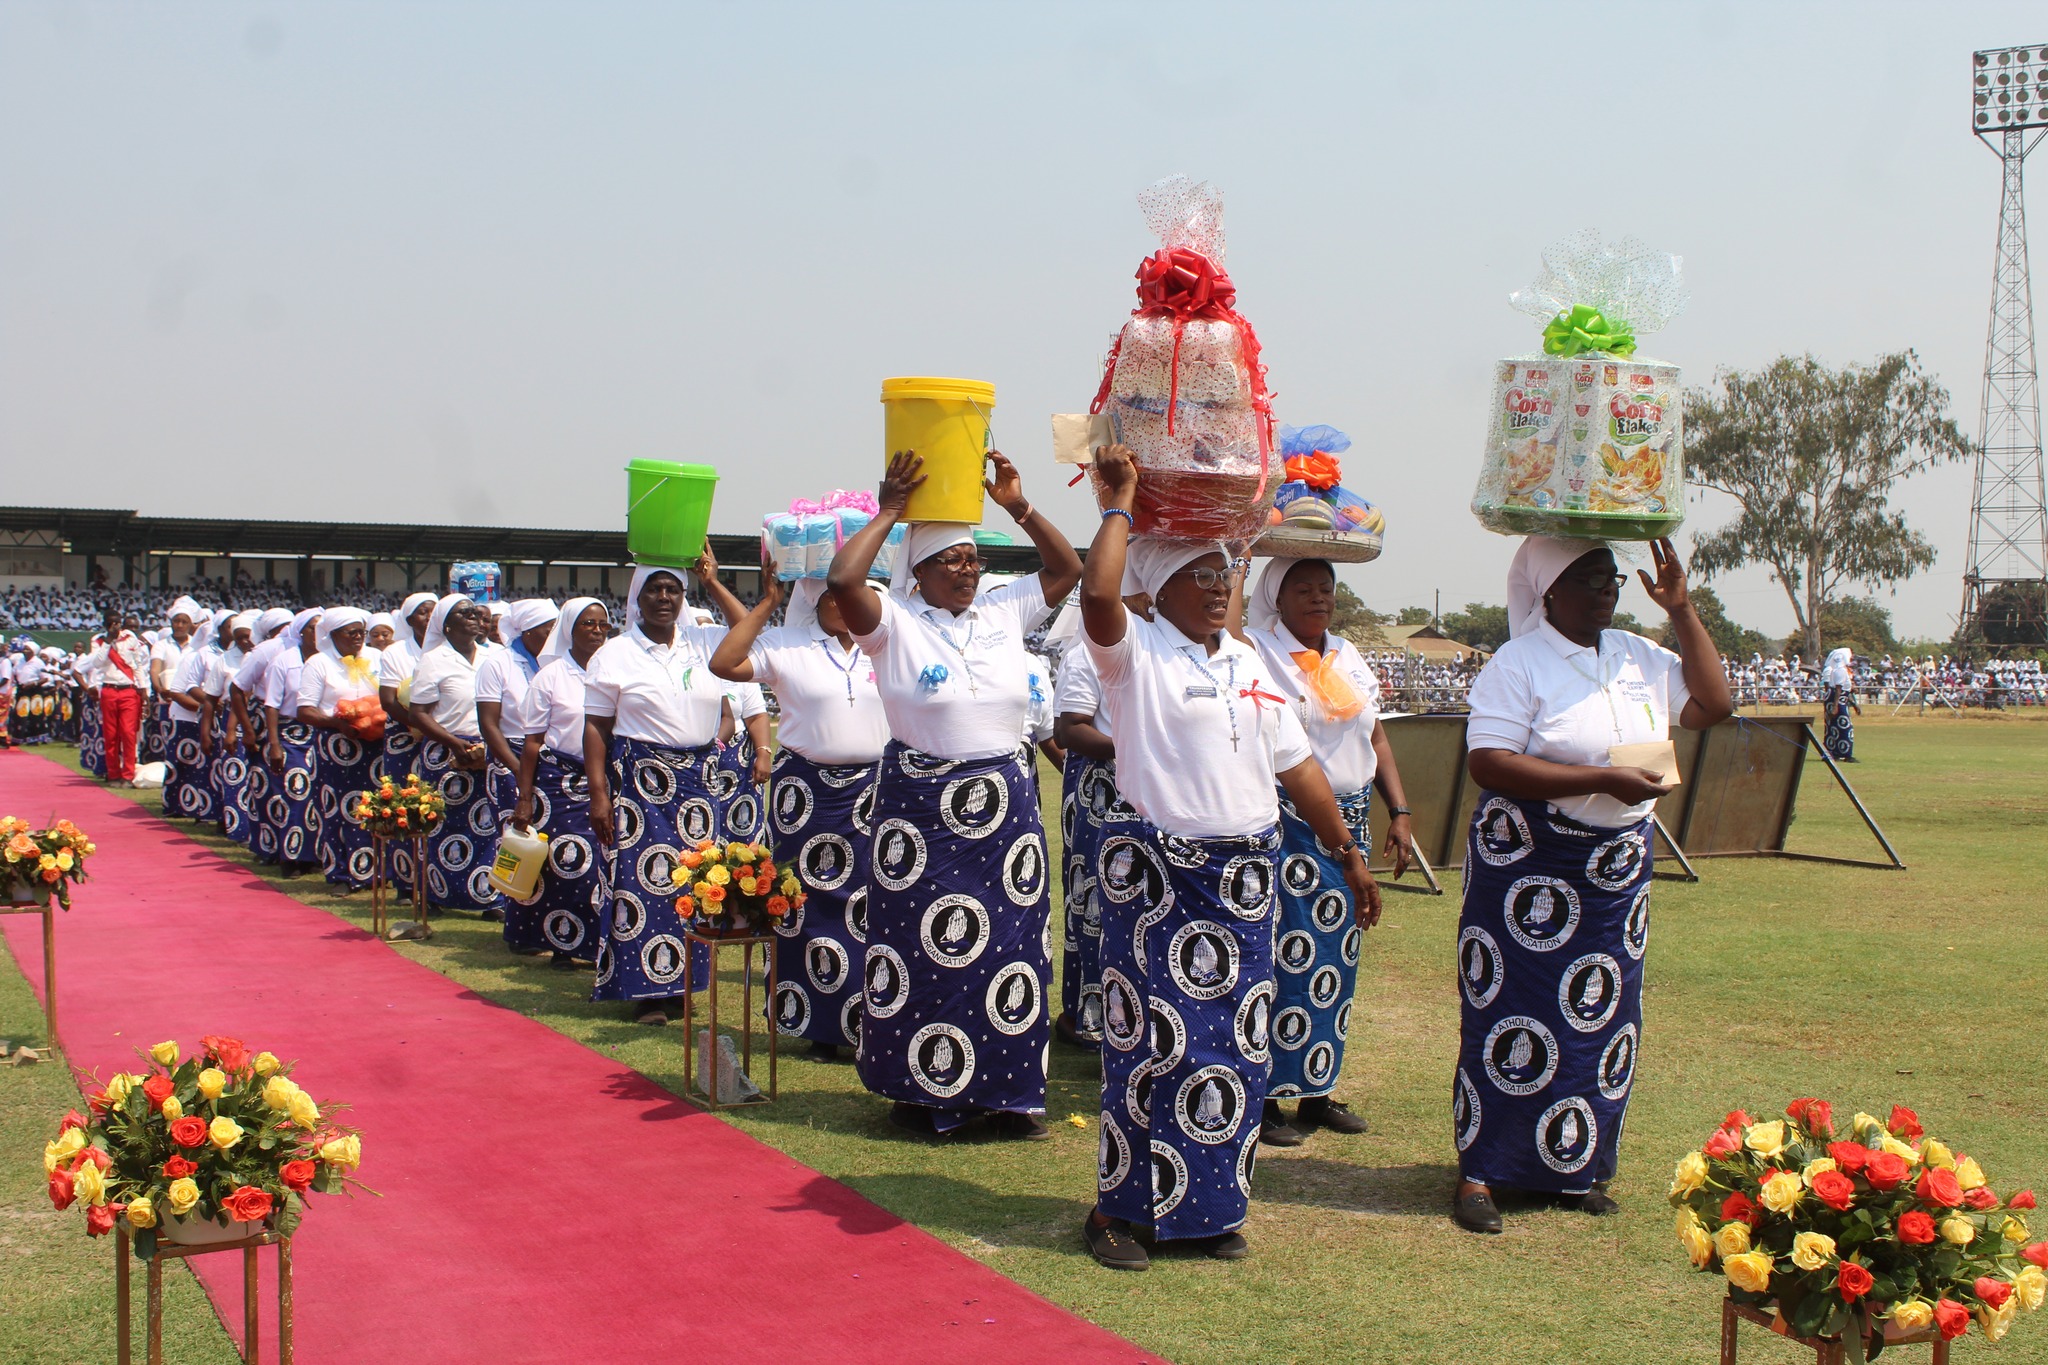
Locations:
column 212, row 1081
column 88, row 1184
column 1997, row 1322
column 719, row 876
column 1812, row 1250
column 747, row 885
column 2015, row 1231
column 1751, row 1271
column 165, row 1053
column 1689, row 1174
column 182, row 1195
column 304, row 1111
column 1699, row 1248
column 1732, row 1239
column 1903, row 1151
column 265, row 1063
column 1913, row 1315
column 1766, row 1139
column 173, row 1111
column 278, row 1092
column 1968, row 1173
column 682, row 876
column 1782, row 1192
column 141, row 1212
column 2030, row 1286
column 1957, row 1230
column 62, row 1150
column 343, row 1153
column 1815, row 1167
column 64, row 860
column 118, row 1088
column 224, row 1132
column 1936, row 1153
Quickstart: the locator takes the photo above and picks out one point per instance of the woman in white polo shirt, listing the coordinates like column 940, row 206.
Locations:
column 289, row 832
column 343, row 669
column 1557, row 872
column 651, row 708
column 395, row 665
column 187, row 792
column 453, row 757
column 832, row 735
column 502, row 677
column 569, row 914
column 1188, row 891
column 957, row 971
column 1336, row 697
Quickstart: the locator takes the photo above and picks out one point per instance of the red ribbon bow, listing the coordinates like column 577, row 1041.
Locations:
column 1260, row 694
column 1185, row 283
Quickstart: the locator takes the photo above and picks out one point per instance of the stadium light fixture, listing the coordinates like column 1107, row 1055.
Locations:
column 2009, row 89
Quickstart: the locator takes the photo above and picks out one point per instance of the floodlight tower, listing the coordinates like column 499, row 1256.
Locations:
column 2005, row 585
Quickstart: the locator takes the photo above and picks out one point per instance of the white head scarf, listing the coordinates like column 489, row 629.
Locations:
column 299, row 624
column 438, row 622
column 559, row 639
column 802, row 611
column 388, row 621
column 188, row 608
column 402, row 622
column 498, row 608
column 333, row 619
column 224, row 616
column 1150, row 560
column 1835, row 672
column 270, row 623
column 641, row 573
column 527, row 613
column 1262, row 610
column 921, row 542
column 1539, row 563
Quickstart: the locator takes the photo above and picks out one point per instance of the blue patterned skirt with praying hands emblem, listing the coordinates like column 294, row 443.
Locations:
column 1550, row 965
column 660, row 807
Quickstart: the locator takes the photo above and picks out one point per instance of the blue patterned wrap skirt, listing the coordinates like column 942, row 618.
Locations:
column 958, row 962
column 1550, row 962
column 1090, row 806
column 289, row 831
column 460, row 850
column 92, row 742
column 570, row 911
column 730, row 777
column 188, row 775
column 1315, row 952
column 1187, row 1008
column 660, row 807
column 824, row 816
column 343, row 763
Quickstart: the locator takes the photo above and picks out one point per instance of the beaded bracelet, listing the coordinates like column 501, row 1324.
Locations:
column 1120, row 512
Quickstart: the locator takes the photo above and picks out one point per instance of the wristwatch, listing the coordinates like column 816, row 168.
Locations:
column 1393, row 811
column 1347, row 848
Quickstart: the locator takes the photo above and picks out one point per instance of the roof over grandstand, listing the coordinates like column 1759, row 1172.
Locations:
column 127, row 533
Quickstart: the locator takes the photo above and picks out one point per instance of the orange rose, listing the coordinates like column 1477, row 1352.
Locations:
column 778, row 906
column 714, row 893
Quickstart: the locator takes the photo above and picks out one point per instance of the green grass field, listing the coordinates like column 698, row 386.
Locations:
column 1767, row 980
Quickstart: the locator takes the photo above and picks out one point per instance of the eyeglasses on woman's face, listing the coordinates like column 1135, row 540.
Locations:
column 958, row 561
column 1595, row 582
column 1207, row 579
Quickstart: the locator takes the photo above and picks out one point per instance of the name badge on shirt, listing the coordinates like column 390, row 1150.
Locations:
column 1195, row 691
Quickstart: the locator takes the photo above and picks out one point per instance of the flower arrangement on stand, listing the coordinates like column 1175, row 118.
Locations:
column 198, row 1144
column 36, row 864
column 734, row 888
column 402, row 810
column 1849, row 1232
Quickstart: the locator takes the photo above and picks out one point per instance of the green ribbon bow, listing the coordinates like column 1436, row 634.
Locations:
column 1584, row 329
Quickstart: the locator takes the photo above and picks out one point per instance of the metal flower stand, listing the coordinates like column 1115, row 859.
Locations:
column 20, row 904
column 153, row 1338
column 380, row 889
column 1826, row 1350
column 704, row 1090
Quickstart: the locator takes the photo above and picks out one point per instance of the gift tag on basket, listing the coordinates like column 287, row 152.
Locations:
column 1075, row 436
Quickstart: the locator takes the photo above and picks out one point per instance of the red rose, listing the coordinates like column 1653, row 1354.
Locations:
column 60, row 1189
column 298, row 1175
column 1915, row 1228
column 177, row 1168
column 93, row 1154
column 1722, row 1144
column 1836, row 1190
column 1981, row 1198
column 1738, row 1206
column 1737, row 1118
column 1993, row 1292
column 1940, row 1188
column 1850, row 1157
column 189, row 1131
column 1854, row 1281
column 159, row 1089
column 1815, row 1116
column 2037, row 1253
column 1884, row 1171
column 1952, row 1318
column 229, row 1052
column 100, row 1221
column 1904, row 1123
column 72, row 1119
column 2023, row 1200
column 247, row 1204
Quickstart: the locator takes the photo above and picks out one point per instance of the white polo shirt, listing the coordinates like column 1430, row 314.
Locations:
column 281, row 683
column 325, row 683
column 445, row 682
column 1544, row 696
column 188, row 673
column 501, row 677
column 831, row 706
column 249, row 677
column 1038, row 712
column 166, row 652
column 400, row 660
column 1197, row 753
column 1079, row 690
column 221, row 666
column 747, row 698
column 663, row 694
column 980, row 691
column 553, row 707
column 1343, row 747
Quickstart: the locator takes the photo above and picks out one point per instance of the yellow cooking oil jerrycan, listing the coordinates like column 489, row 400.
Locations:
column 517, row 868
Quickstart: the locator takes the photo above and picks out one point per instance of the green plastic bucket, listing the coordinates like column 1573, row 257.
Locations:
column 668, row 510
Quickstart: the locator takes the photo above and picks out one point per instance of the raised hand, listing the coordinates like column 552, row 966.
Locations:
column 1006, row 487
column 1116, row 476
column 902, row 479
column 1668, row 589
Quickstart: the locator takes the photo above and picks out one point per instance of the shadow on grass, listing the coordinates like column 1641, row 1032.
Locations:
column 1419, row 1190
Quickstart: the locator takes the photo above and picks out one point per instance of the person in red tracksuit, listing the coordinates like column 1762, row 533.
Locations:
column 123, row 660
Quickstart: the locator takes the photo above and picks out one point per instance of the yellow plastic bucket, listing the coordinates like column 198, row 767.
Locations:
column 947, row 422
column 668, row 510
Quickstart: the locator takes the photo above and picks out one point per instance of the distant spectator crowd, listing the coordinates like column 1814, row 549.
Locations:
column 1930, row 680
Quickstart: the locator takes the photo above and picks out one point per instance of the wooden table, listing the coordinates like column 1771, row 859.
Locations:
column 707, row 1093
column 154, row 1295
column 1826, row 1350
column 47, row 908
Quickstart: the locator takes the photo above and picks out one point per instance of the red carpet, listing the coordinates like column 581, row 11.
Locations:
column 540, row 1203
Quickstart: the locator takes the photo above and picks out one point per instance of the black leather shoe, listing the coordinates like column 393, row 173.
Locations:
column 1598, row 1202
column 1225, row 1246
column 912, row 1118
column 1275, row 1130
column 1112, row 1245
column 1019, row 1127
column 1072, row 1036
column 1324, row 1112
column 1474, row 1211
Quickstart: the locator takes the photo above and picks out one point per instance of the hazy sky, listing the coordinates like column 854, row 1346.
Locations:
column 461, row 261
